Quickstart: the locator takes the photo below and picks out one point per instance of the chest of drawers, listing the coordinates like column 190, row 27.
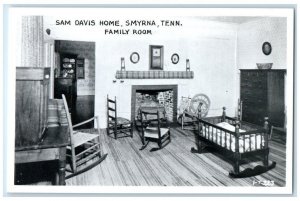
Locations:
column 262, row 93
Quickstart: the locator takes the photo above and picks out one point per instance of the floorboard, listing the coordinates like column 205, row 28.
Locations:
column 174, row 165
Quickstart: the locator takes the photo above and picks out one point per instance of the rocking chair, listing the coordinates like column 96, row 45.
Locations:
column 154, row 127
column 84, row 146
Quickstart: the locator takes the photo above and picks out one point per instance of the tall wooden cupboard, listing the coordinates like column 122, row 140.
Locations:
column 262, row 94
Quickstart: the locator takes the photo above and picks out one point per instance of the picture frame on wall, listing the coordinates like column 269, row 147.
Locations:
column 175, row 58
column 156, row 57
column 80, row 73
column 134, row 57
column 267, row 48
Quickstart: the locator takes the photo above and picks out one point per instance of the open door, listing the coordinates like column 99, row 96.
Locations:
column 74, row 76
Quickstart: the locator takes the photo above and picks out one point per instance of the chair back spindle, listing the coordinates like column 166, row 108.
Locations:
column 68, row 117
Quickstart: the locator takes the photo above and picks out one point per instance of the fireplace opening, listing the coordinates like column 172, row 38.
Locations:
column 155, row 96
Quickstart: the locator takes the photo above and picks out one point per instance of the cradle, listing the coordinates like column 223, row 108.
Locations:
column 237, row 141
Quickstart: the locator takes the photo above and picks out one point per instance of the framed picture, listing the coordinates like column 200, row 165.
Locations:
column 156, row 57
column 80, row 73
column 267, row 48
column 80, row 68
column 134, row 57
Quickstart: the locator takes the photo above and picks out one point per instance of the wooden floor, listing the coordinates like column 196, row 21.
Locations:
column 174, row 165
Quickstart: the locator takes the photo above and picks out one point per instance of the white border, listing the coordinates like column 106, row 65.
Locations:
column 144, row 12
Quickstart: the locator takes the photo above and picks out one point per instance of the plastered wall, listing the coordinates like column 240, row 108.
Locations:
column 252, row 35
column 216, row 50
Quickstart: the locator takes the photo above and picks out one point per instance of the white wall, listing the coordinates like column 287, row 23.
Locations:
column 210, row 46
column 253, row 34
column 216, row 51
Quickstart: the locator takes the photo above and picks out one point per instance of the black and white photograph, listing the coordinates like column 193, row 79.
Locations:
column 163, row 100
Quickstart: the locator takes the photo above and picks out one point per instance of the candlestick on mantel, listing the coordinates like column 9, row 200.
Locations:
column 122, row 64
column 188, row 65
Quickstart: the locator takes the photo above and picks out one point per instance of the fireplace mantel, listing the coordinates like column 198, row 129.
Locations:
column 154, row 74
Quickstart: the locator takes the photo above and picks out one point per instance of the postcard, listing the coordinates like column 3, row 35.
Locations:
column 149, row 99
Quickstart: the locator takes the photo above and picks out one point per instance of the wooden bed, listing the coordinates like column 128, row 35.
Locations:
column 237, row 141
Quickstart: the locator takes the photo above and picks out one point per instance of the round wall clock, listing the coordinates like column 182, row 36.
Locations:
column 266, row 48
column 134, row 57
column 175, row 58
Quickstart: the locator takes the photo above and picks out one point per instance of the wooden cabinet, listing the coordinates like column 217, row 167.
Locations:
column 34, row 142
column 31, row 104
column 262, row 93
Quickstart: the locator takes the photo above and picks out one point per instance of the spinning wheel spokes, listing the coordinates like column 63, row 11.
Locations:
column 196, row 102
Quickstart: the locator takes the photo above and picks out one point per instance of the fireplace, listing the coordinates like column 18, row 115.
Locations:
column 153, row 96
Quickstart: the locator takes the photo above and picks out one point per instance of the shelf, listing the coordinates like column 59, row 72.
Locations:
column 154, row 74
column 68, row 67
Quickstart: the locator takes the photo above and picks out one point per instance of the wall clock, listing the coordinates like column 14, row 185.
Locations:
column 266, row 48
column 134, row 57
column 156, row 57
column 175, row 58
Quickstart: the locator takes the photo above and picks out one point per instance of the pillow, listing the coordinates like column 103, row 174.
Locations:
column 52, row 113
column 229, row 127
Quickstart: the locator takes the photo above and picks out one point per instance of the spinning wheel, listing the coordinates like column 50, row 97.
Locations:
column 196, row 103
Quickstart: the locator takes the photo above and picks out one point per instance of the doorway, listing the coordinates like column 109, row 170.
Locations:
column 74, row 76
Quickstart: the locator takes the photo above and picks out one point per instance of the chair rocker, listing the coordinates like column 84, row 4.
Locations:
column 154, row 128
column 118, row 126
column 84, row 147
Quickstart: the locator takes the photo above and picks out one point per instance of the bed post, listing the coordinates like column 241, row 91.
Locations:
column 199, row 110
column 240, row 106
column 257, row 170
column 199, row 147
column 223, row 114
column 266, row 137
column 236, row 167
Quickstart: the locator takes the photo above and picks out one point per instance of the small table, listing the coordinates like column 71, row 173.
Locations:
column 52, row 147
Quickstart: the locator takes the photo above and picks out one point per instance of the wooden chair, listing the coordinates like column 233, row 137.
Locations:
column 84, row 146
column 118, row 126
column 154, row 127
column 188, row 118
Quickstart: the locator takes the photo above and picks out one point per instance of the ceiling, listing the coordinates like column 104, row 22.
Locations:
column 231, row 19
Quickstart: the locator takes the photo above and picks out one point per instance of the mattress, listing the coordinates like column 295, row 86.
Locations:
column 252, row 141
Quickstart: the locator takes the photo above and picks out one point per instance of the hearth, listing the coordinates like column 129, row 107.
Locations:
column 154, row 96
